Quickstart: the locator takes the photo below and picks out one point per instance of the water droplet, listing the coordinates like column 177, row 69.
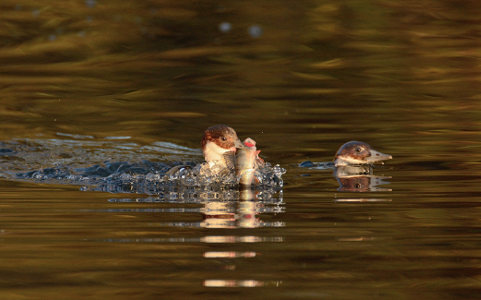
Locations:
column 225, row 27
column 255, row 31
column 90, row 3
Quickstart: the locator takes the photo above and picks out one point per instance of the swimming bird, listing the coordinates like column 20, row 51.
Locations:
column 219, row 145
column 358, row 153
column 352, row 153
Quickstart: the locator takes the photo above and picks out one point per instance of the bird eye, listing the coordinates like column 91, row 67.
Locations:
column 223, row 138
column 358, row 149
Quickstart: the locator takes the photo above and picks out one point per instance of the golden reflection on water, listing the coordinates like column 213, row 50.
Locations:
column 230, row 254
column 232, row 283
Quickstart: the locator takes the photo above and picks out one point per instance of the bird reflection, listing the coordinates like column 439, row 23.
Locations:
column 243, row 213
column 220, row 209
column 359, row 179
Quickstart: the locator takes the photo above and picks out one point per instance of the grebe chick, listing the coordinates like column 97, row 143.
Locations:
column 358, row 153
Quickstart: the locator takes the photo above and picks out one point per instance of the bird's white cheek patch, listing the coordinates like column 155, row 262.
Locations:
column 344, row 161
column 214, row 152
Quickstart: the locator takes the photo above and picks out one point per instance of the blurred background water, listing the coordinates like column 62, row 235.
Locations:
column 88, row 81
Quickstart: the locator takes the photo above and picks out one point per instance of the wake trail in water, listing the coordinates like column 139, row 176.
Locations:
column 118, row 166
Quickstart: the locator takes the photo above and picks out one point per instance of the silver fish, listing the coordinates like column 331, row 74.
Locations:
column 247, row 161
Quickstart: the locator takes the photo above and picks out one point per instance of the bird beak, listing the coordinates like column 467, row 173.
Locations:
column 377, row 156
column 238, row 144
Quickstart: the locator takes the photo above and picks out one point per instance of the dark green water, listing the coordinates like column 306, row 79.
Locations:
column 301, row 78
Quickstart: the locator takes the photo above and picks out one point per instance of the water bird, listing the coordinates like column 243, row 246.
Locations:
column 229, row 161
column 219, row 145
column 358, row 153
column 352, row 165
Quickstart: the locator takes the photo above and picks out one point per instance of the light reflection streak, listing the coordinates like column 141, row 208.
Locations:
column 232, row 212
column 356, row 239
column 362, row 200
column 239, row 239
column 229, row 254
column 207, row 239
column 249, row 283
column 232, row 283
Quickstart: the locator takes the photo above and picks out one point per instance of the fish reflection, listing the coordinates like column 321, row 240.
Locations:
column 243, row 213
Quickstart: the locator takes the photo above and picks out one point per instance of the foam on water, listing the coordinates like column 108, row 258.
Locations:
column 110, row 165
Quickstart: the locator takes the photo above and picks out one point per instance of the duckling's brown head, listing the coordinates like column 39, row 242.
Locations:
column 218, row 140
column 358, row 153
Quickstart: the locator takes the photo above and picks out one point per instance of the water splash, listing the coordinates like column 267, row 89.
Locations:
column 109, row 165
